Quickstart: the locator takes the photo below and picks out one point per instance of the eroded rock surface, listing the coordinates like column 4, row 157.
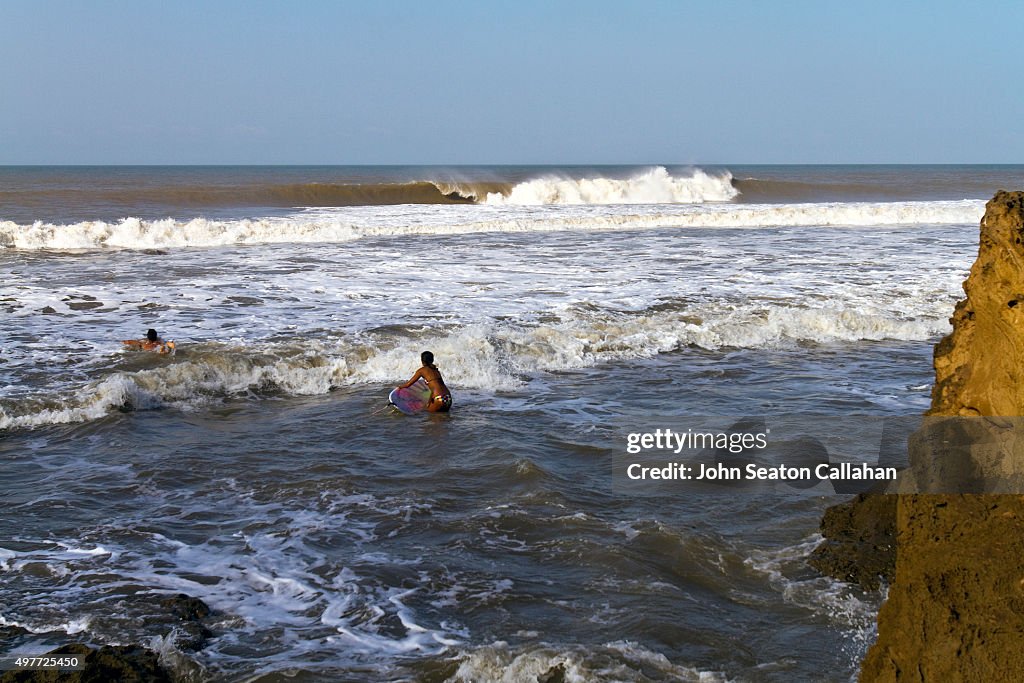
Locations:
column 955, row 610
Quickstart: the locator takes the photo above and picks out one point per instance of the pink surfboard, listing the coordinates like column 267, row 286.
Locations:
column 411, row 400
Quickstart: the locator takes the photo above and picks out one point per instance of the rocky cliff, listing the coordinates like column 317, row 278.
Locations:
column 978, row 368
column 955, row 558
column 956, row 606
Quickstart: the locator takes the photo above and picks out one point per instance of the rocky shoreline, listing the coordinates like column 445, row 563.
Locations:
column 185, row 619
column 951, row 544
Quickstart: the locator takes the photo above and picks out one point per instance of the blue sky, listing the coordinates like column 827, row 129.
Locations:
column 511, row 82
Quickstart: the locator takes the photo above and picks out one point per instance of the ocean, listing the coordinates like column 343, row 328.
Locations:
column 260, row 469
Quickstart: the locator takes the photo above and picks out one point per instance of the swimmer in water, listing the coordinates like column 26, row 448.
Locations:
column 440, row 397
column 151, row 342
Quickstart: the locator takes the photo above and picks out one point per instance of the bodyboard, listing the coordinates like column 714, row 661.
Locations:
column 411, row 400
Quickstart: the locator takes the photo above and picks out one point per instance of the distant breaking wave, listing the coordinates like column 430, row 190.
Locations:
column 655, row 186
column 72, row 195
column 346, row 225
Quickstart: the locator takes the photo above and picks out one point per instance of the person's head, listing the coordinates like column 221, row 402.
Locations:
column 427, row 358
column 151, row 335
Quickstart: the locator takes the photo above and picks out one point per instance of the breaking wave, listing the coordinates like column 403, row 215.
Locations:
column 655, row 186
column 492, row 356
column 346, row 225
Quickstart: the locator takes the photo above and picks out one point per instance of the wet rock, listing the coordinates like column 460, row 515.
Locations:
column 186, row 607
column 84, row 305
column 47, row 310
column 860, row 541
column 11, row 634
column 555, row 674
column 125, row 664
column 192, row 637
column 190, row 633
column 245, row 300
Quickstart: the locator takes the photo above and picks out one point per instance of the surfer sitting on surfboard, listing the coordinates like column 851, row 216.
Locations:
column 440, row 397
column 152, row 342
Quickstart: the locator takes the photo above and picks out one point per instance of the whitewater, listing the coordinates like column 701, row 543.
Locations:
column 650, row 199
column 305, row 317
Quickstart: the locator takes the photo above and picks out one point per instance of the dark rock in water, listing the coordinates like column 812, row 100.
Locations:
column 245, row 300
column 555, row 674
column 181, row 615
column 860, row 541
column 187, row 607
column 10, row 634
column 150, row 306
column 124, row 664
column 192, row 637
column 84, row 305
column 191, row 634
column 47, row 310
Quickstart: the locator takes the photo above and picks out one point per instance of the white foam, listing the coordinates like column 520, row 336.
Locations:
column 185, row 384
column 839, row 602
column 5, row 557
column 71, row 626
column 183, row 667
column 96, row 401
column 344, row 225
column 496, row 356
column 499, row 662
column 654, row 186
column 88, row 552
column 635, row 652
column 70, row 553
column 496, row 311
column 263, row 572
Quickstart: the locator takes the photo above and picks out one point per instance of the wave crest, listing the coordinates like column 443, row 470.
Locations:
column 655, row 186
column 496, row 356
column 351, row 224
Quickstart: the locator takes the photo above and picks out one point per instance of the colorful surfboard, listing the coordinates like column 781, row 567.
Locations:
column 411, row 400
